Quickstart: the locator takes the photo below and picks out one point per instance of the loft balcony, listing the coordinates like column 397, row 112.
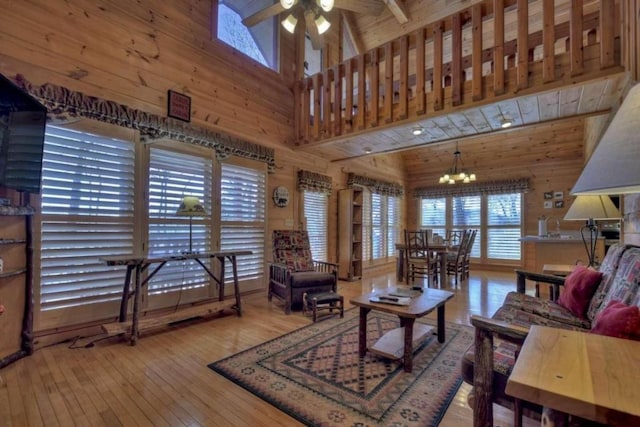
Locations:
column 518, row 60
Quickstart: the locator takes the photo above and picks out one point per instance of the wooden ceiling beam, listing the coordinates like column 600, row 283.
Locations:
column 398, row 9
column 352, row 31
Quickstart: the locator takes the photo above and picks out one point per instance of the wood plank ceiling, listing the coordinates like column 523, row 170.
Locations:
column 591, row 98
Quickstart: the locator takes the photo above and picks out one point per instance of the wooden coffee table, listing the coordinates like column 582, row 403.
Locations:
column 399, row 342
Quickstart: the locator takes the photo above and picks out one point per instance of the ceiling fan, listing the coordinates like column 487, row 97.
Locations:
column 314, row 14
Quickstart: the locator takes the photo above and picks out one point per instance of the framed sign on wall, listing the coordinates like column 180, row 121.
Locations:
column 179, row 106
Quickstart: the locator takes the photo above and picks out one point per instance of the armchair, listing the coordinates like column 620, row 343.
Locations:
column 294, row 272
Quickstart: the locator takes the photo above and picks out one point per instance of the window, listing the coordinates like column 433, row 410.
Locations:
column 466, row 213
column 315, row 206
column 380, row 225
column 504, row 227
column 86, row 213
column 433, row 214
column 260, row 41
column 497, row 217
column 243, row 218
column 173, row 175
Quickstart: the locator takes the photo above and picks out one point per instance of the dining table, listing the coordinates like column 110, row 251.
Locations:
column 402, row 262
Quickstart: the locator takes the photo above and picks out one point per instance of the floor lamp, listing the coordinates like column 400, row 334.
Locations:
column 590, row 209
column 191, row 206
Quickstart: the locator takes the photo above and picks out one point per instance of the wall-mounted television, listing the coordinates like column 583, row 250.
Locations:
column 22, row 127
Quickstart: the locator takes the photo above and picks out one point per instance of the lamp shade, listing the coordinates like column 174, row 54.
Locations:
column 613, row 166
column 191, row 206
column 592, row 207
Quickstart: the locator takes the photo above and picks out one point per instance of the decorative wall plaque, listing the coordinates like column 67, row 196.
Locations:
column 179, row 106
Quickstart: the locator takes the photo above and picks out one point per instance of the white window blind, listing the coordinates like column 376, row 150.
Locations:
column 367, row 238
column 467, row 214
column 504, row 219
column 393, row 224
column 172, row 176
column 87, row 212
column 377, row 232
column 243, row 217
column 433, row 215
column 315, row 205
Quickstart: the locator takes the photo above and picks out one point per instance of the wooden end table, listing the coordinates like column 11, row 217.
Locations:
column 399, row 343
column 588, row 375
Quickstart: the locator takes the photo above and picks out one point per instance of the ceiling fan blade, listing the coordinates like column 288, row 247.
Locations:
column 312, row 30
column 263, row 14
column 365, row 7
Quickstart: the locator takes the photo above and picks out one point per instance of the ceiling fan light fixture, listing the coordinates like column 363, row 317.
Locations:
column 287, row 4
column 289, row 23
column 326, row 5
column 322, row 24
column 506, row 123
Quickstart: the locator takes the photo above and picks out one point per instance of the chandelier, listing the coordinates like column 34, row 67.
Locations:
column 312, row 13
column 457, row 172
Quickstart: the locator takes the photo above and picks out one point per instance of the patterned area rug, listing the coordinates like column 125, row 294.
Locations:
column 315, row 375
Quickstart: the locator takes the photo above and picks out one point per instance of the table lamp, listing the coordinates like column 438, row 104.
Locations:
column 191, row 206
column 590, row 209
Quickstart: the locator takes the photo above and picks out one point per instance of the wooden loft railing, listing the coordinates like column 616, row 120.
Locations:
column 444, row 66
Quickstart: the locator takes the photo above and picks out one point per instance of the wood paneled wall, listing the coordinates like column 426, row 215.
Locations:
column 134, row 52
column 550, row 155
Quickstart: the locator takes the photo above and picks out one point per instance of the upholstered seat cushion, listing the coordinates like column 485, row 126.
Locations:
column 311, row 279
column 544, row 308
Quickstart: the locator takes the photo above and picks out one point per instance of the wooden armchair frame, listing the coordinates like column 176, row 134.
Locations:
column 289, row 285
column 488, row 329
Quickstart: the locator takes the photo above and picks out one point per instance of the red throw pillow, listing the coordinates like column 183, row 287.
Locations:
column 579, row 287
column 618, row 320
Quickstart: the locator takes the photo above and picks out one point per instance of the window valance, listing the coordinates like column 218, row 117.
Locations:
column 376, row 186
column 520, row 185
column 312, row 181
column 63, row 103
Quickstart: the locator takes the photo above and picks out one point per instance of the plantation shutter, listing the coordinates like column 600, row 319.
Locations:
column 503, row 226
column 467, row 215
column 377, row 235
column 393, row 224
column 315, row 213
column 243, row 216
column 172, row 176
column 86, row 213
column 433, row 215
column 366, row 226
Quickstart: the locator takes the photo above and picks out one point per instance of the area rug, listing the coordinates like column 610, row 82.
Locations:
column 315, row 375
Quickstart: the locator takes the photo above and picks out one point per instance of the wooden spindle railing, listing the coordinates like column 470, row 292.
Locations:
column 425, row 72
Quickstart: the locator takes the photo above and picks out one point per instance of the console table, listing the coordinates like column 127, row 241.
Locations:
column 136, row 265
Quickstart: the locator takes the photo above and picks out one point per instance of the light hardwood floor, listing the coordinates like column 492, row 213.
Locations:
column 164, row 380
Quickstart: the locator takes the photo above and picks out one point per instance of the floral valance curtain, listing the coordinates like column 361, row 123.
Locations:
column 493, row 187
column 312, row 181
column 376, row 186
column 63, row 104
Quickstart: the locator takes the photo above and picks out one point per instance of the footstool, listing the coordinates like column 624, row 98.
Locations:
column 322, row 301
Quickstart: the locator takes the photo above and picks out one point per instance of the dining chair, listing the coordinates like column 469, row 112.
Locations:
column 467, row 254
column 454, row 238
column 455, row 258
column 421, row 262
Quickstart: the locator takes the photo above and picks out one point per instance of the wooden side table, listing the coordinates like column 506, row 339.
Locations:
column 583, row 374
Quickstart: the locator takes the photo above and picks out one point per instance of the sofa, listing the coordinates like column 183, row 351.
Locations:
column 584, row 300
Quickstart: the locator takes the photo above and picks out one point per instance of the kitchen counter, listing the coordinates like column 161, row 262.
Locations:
column 564, row 238
column 568, row 248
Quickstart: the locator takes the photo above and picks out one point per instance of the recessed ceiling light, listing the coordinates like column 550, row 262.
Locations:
column 417, row 130
column 505, row 123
